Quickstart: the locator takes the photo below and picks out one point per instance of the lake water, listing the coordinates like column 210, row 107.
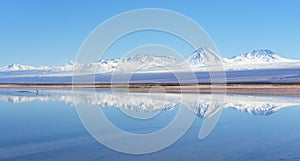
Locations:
column 48, row 125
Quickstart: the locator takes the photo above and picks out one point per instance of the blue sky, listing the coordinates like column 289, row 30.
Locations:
column 34, row 32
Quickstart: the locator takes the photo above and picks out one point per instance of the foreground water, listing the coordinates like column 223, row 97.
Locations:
column 45, row 125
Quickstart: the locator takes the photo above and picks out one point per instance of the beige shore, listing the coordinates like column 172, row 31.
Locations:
column 233, row 88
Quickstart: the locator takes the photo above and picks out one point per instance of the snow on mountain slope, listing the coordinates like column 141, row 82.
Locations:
column 16, row 67
column 203, row 57
column 259, row 59
column 145, row 63
column 257, row 56
column 197, row 61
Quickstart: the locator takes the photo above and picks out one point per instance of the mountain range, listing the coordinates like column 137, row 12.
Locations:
column 199, row 60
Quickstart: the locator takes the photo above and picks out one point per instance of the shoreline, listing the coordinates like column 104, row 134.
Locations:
column 230, row 88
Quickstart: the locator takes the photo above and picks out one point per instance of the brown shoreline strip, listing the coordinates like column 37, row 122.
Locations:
column 232, row 88
column 138, row 85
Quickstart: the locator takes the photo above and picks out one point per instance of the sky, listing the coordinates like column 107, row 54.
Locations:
column 51, row 32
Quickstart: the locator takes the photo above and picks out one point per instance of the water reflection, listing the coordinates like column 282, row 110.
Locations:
column 199, row 104
column 32, row 128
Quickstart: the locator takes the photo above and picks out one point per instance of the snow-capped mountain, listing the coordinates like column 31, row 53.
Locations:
column 259, row 59
column 203, row 57
column 16, row 67
column 144, row 62
column 258, row 56
column 197, row 61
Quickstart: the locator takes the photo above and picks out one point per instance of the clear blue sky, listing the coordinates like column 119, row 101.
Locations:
column 50, row 32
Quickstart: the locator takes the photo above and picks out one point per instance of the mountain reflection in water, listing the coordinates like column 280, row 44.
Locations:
column 199, row 104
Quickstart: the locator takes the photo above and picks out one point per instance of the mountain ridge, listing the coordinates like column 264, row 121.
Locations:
column 197, row 61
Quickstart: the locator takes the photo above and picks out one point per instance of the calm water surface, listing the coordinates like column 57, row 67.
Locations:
column 46, row 126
